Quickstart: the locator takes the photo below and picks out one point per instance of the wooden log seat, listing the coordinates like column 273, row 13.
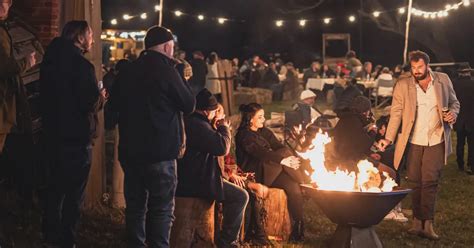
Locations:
column 278, row 223
column 194, row 223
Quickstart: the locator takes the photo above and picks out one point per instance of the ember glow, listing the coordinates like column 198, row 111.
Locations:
column 367, row 179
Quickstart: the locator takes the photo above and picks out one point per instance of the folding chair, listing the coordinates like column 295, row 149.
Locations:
column 384, row 90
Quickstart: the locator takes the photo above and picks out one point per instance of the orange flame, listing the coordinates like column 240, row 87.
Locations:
column 367, row 179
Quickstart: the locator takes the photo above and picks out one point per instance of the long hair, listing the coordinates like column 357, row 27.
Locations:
column 247, row 112
column 73, row 29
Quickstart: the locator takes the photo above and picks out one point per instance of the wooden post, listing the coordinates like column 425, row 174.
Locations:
column 118, row 198
column 224, row 68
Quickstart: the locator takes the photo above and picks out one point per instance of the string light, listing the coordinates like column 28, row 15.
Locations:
column 302, row 23
column 221, row 20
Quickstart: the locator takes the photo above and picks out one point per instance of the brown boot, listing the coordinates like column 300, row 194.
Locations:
column 428, row 231
column 416, row 227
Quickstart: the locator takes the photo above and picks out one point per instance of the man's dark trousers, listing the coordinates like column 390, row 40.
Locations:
column 149, row 194
column 69, row 173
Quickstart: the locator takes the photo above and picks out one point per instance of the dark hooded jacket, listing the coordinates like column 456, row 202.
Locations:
column 199, row 174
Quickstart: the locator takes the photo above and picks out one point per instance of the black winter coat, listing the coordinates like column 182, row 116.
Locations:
column 148, row 99
column 70, row 96
column 351, row 140
column 199, row 73
column 464, row 87
column 199, row 174
column 261, row 152
column 344, row 98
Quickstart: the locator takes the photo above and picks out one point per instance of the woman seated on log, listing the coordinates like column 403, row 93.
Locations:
column 259, row 151
column 354, row 136
column 254, row 230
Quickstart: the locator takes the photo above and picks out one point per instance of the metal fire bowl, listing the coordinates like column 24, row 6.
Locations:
column 358, row 209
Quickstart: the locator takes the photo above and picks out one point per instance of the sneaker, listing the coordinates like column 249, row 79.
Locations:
column 399, row 217
column 391, row 215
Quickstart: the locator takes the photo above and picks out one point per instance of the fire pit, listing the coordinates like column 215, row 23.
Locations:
column 355, row 213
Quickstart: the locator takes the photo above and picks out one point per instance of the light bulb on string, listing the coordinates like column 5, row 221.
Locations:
column 126, row 17
column 302, row 23
column 200, row 17
column 401, row 10
column 113, row 22
column 376, row 13
column 279, row 23
column 352, row 18
column 466, row 3
column 327, row 20
column 157, row 8
column 143, row 16
column 221, row 20
column 178, row 13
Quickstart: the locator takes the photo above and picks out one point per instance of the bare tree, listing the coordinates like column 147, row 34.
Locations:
column 299, row 6
column 431, row 35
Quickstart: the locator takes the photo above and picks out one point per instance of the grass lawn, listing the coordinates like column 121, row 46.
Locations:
column 104, row 226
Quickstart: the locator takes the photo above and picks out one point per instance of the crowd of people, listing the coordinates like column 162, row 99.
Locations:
column 174, row 134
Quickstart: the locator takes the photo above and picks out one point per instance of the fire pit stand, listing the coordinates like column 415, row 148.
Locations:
column 355, row 214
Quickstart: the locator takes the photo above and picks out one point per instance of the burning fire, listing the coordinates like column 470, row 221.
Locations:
column 367, row 179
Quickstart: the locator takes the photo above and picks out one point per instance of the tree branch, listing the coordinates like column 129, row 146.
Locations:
column 296, row 8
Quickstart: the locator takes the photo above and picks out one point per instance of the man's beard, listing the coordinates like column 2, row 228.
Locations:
column 422, row 77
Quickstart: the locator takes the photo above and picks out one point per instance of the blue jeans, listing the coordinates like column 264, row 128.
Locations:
column 236, row 199
column 149, row 195
column 70, row 166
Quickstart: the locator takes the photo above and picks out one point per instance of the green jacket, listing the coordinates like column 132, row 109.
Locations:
column 10, row 70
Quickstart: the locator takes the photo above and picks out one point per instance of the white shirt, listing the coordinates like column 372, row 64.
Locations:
column 428, row 128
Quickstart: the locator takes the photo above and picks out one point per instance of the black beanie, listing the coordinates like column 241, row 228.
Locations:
column 157, row 35
column 360, row 104
column 205, row 100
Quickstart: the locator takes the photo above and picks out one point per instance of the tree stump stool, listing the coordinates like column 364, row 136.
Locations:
column 194, row 223
column 278, row 223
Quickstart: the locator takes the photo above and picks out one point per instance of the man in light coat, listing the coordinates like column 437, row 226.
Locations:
column 424, row 107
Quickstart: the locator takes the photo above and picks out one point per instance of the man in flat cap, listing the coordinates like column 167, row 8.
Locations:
column 149, row 100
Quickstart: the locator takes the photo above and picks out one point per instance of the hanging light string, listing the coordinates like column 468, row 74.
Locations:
column 302, row 22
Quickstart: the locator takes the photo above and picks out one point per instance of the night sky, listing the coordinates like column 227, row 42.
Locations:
column 259, row 35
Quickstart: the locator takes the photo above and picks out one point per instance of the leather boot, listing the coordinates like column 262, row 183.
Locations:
column 416, row 228
column 428, row 231
column 297, row 232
